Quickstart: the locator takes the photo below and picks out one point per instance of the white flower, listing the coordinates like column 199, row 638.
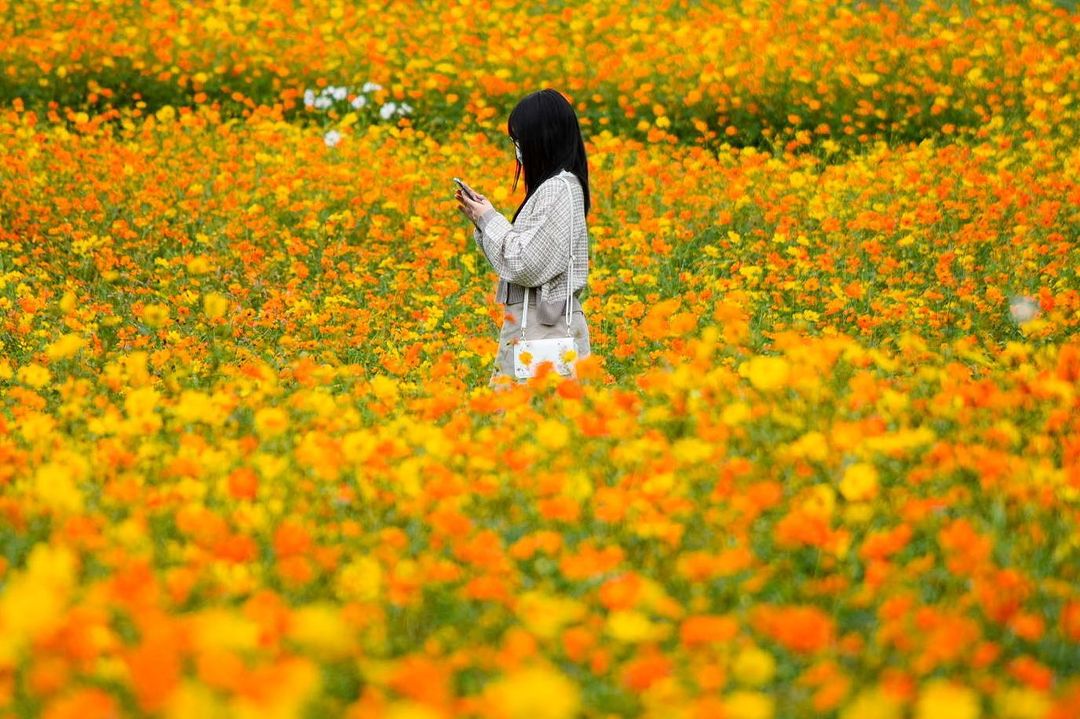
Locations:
column 370, row 86
column 339, row 93
column 1023, row 309
column 387, row 110
column 359, row 102
column 332, row 138
column 406, row 108
column 323, row 102
column 309, row 98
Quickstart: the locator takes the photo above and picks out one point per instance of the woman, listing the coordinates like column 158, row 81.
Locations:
column 531, row 250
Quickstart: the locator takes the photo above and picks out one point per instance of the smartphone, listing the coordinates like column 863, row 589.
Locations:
column 465, row 189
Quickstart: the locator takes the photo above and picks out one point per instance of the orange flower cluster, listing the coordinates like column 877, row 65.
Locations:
column 748, row 70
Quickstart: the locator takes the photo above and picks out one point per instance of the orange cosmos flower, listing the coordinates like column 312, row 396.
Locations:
column 705, row 629
column 802, row 629
column 646, row 669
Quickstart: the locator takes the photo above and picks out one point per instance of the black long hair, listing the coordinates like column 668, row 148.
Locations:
column 546, row 129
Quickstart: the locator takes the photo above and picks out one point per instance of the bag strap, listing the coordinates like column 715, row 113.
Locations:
column 569, row 271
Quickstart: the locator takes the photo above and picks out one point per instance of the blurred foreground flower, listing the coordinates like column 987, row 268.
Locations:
column 941, row 699
column 766, row 372
column 535, row 693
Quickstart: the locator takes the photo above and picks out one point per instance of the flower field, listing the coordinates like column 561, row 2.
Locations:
column 823, row 462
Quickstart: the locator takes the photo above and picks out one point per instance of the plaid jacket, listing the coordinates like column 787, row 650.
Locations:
column 532, row 252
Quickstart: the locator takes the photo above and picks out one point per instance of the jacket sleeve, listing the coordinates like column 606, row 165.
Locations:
column 532, row 250
column 478, row 237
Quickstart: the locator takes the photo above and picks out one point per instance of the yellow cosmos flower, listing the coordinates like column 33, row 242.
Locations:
column 219, row 628
column 811, row 445
column 900, row 441
column 195, row 406
column 1022, row 703
column 141, row 402
column 36, row 426
column 748, row 705
column 872, row 704
column 941, row 699
column 819, row 500
column 536, row 692
column 766, row 373
column 34, row 375
column 33, row 601
column 735, row 413
column 631, row 627
column 753, row 666
column 385, row 388
column 67, row 346
column 67, row 302
column 271, row 421
column 215, row 305
column 361, row 579
column 860, row 482
column 135, row 366
column 198, row 265
column 412, row 710
column 320, row 629
column 553, row 434
column 690, row 450
column 155, row 315
column 192, row 700
column 55, row 485
column 546, row 615
column 359, row 445
column 858, row 513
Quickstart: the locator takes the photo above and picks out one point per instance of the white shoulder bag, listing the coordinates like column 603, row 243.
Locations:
column 562, row 352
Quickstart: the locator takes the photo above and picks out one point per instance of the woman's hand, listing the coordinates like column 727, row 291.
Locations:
column 472, row 209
